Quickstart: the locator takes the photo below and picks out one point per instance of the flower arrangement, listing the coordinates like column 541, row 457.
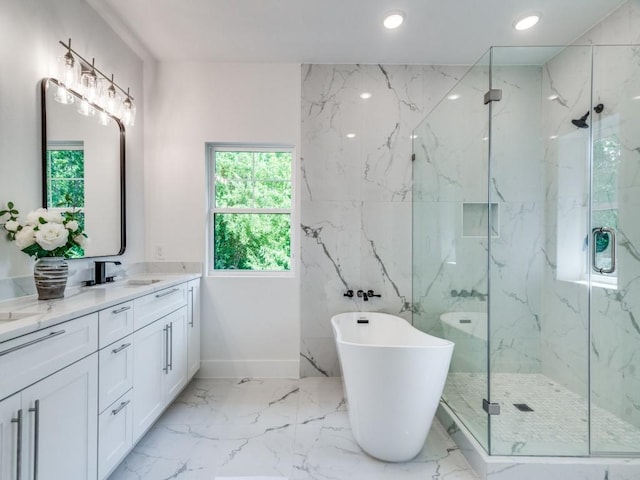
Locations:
column 45, row 233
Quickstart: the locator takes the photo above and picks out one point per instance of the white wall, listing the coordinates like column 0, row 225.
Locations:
column 250, row 325
column 31, row 30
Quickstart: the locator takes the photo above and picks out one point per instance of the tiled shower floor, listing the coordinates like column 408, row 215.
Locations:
column 287, row 429
column 558, row 424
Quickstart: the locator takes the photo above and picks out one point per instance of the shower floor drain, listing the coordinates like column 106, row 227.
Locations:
column 523, row 407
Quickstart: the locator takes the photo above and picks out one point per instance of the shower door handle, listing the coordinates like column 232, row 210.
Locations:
column 594, row 247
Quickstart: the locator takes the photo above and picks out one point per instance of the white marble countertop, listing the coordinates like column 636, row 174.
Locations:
column 33, row 314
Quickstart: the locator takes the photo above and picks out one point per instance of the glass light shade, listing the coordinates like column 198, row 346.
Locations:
column 89, row 85
column 84, row 108
column 68, row 70
column 128, row 115
column 62, row 95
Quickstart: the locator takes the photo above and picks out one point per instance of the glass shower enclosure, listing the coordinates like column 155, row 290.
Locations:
column 526, row 248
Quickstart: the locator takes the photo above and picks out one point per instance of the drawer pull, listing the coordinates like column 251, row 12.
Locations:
column 120, row 310
column 116, row 411
column 32, row 342
column 18, row 445
column 173, row 290
column 120, row 348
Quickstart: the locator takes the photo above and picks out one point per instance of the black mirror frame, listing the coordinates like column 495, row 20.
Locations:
column 123, row 219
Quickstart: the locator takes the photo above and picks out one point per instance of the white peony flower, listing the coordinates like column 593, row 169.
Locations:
column 81, row 240
column 33, row 218
column 72, row 225
column 25, row 237
column 51, row 235
column 11, row 226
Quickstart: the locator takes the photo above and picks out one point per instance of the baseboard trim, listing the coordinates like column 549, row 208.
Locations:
column 249, row 369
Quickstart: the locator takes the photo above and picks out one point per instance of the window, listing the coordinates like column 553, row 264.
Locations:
column 604, row 205
column 65, row 181
column 250, row 198
column 65, row 174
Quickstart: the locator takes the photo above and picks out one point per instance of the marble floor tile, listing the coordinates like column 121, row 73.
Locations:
column 281, row 429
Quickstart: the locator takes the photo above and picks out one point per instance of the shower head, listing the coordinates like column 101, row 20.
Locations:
column 582, row 121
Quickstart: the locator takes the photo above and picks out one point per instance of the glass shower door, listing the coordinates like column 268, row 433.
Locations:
column 450, row 240
column 615, row 251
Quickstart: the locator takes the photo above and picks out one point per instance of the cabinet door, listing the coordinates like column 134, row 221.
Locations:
column 176, row 377
column 116, row 432
column 149, row 365
column 62, row 423
column 193, row 328
column 10, row 411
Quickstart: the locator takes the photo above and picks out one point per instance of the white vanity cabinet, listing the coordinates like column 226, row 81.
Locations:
column 77, row 395
column 160, row 368
column 49, row 428
column 193, row 328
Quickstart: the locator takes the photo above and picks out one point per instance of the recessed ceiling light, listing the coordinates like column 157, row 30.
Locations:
column 351, row 135
column 393, row 20
column 365, row 95
column 454, row 96
column 526, row 22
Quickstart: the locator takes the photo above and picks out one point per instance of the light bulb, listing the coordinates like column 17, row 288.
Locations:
column 104, row 118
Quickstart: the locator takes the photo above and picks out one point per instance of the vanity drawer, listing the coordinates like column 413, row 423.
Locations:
column 115, row 322
column 115, row 434
column 29, row 358
column 156, row 305
column 116, row 371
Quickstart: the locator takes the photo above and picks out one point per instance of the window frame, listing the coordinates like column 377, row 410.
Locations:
column 211, row 149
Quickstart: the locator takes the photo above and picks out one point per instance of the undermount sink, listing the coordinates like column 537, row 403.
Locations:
column 11, row 316
column 143, row 281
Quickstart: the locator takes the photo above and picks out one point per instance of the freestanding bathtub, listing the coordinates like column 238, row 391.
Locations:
column 393, row 376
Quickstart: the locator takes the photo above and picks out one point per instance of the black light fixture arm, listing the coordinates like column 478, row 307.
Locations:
column 91, row 64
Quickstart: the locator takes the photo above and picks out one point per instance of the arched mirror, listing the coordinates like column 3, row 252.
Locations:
column 83, row 166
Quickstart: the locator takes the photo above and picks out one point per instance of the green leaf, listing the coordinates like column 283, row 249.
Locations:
column 42, row 221
column 32, row 250
column 10, row 205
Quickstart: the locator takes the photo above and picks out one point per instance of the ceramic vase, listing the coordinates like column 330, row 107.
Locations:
column 50, row 275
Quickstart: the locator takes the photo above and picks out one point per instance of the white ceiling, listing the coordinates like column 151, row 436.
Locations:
column 344, row 31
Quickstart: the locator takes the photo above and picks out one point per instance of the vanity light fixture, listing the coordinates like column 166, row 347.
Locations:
column 393, row 20
column 526, row 22
column 79, row 76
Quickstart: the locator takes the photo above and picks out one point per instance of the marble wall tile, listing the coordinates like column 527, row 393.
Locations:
column 356, row 208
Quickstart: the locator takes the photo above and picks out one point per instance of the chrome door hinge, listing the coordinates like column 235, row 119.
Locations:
column 493, row 95
column 490, row 408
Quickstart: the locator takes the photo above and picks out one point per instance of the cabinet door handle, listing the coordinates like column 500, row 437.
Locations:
column 120, row 348
column 36, row 437
column 120, row 310
column 32, row 342
column 165, row 369
column 171, row 346
column 19, row 445
column 192, row 306
column 116, row 411
column 173, row 290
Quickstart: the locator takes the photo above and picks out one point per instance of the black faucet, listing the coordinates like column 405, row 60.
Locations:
column 101, row 271
column 364, row 295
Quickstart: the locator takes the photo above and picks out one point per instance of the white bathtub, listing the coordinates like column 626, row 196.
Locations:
column 393, row 375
